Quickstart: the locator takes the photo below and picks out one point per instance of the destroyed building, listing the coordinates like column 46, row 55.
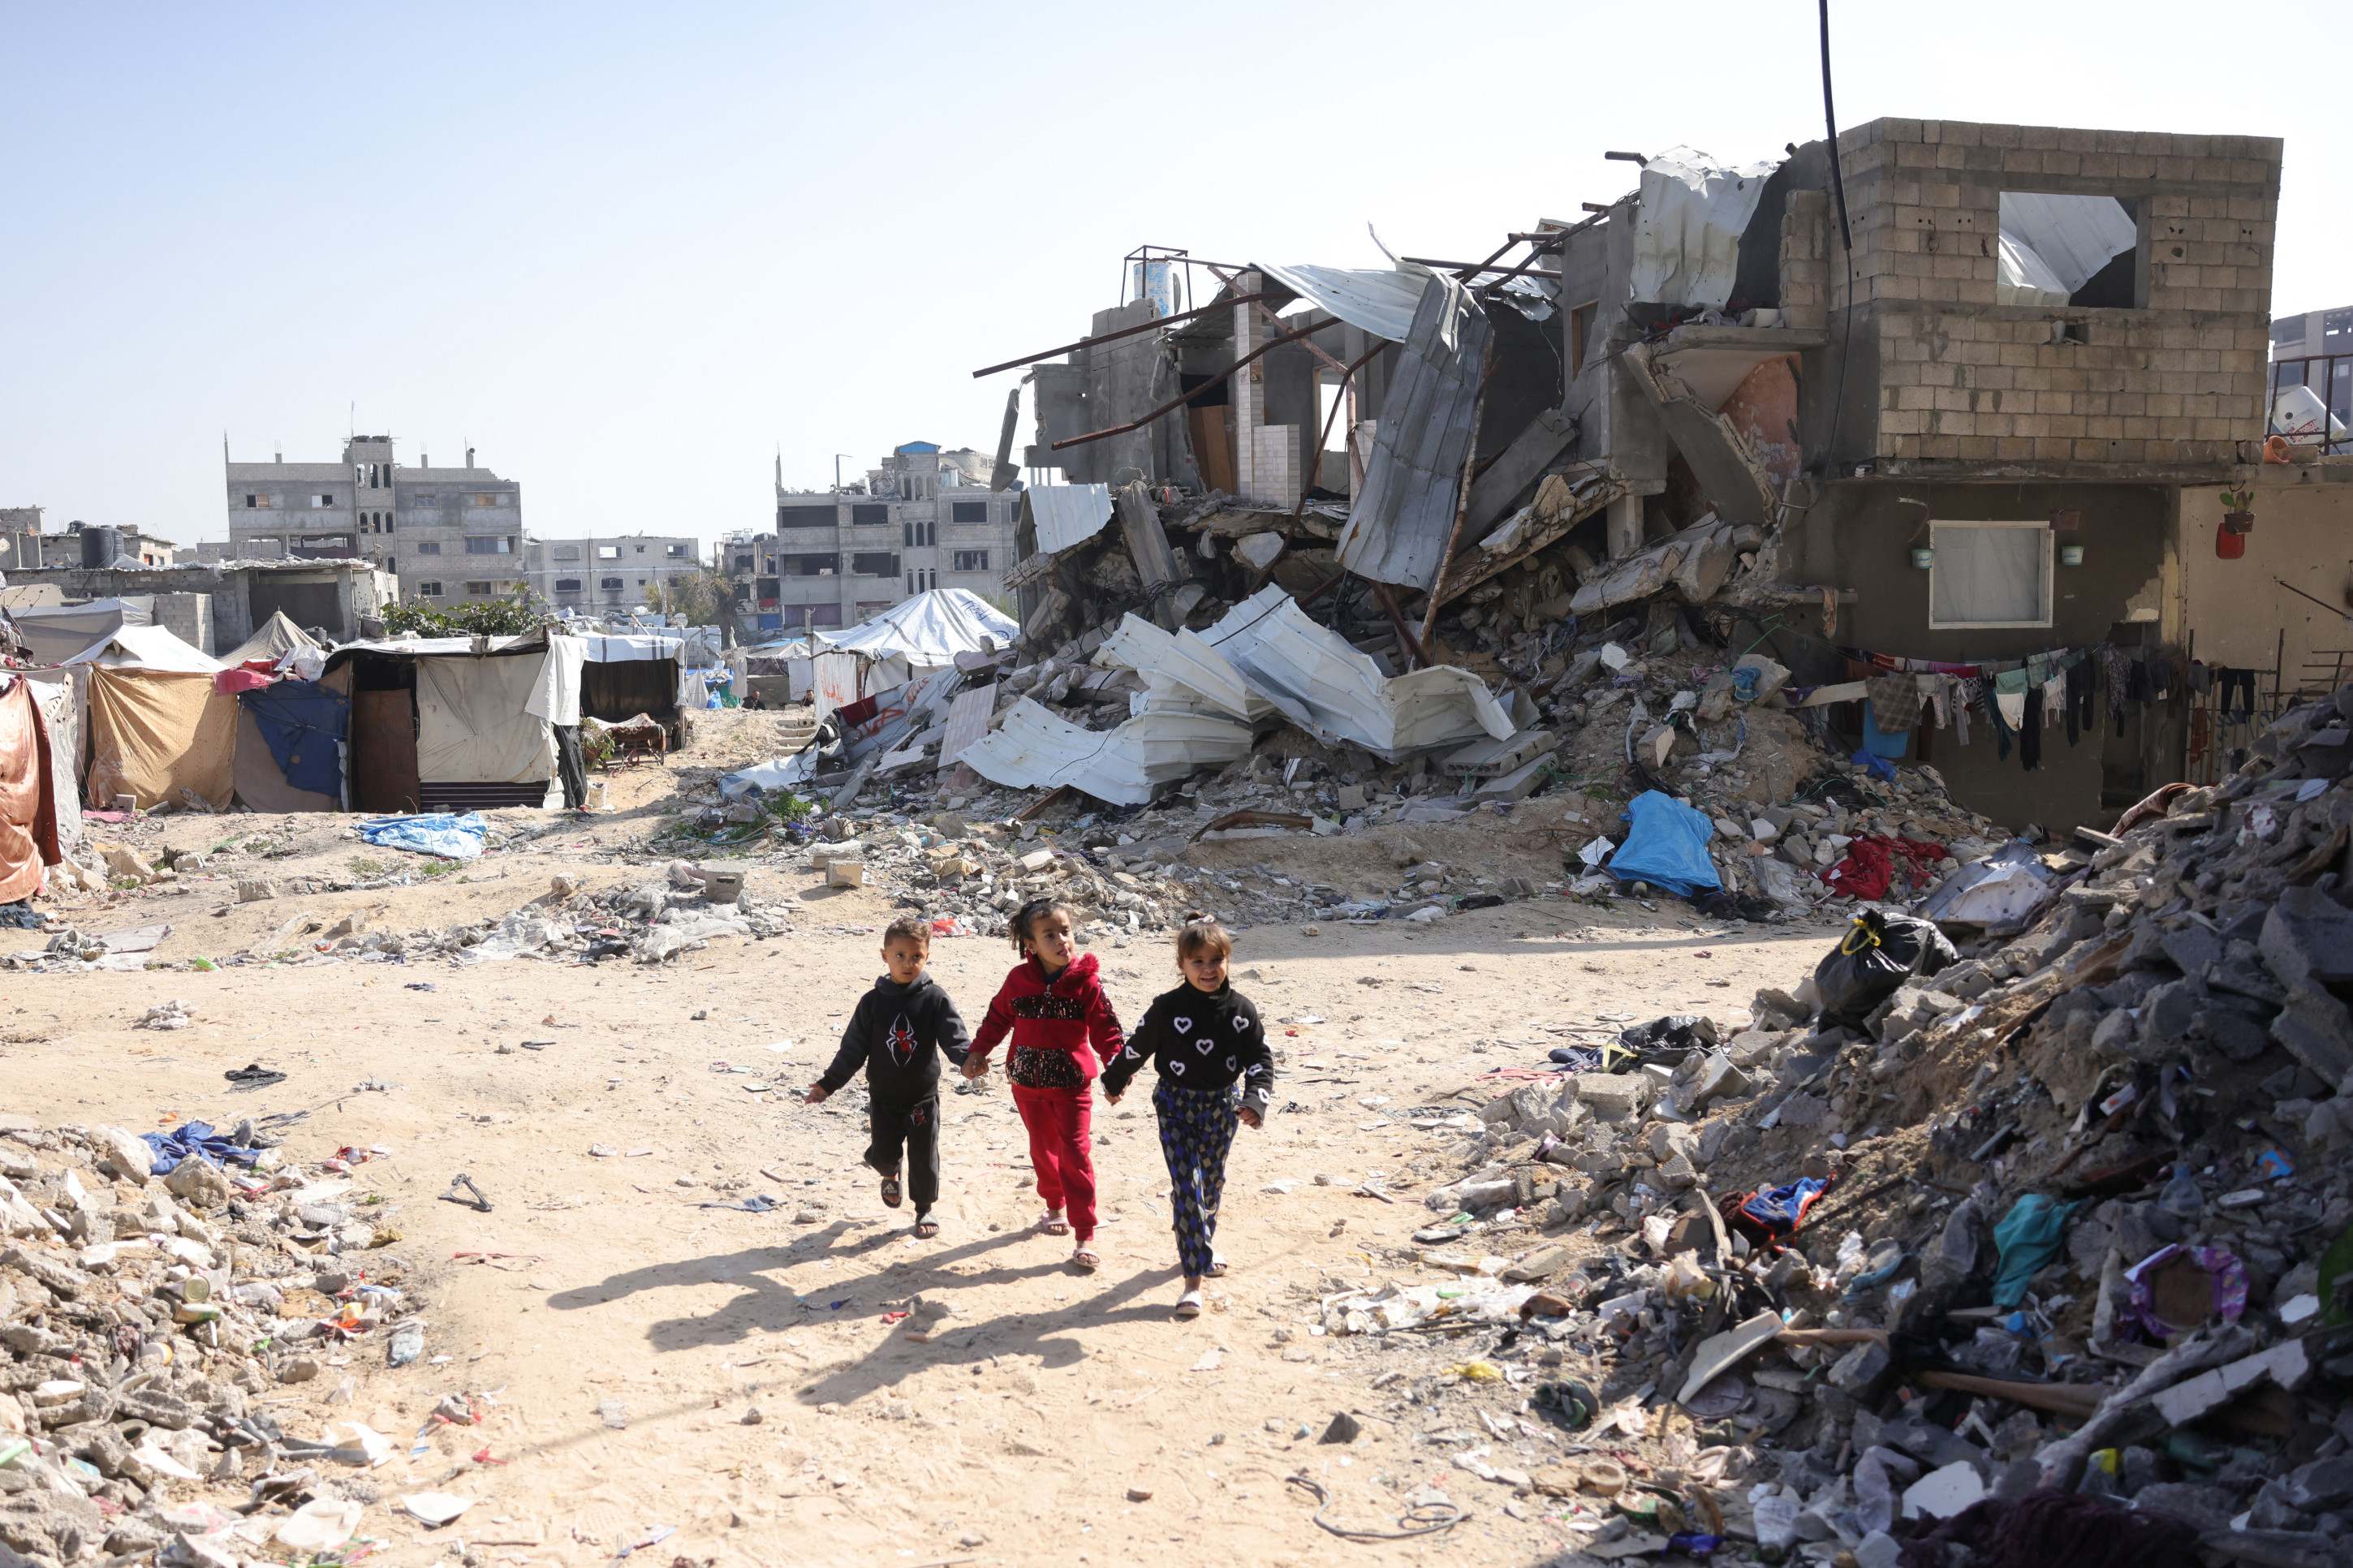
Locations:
column 1979, row 405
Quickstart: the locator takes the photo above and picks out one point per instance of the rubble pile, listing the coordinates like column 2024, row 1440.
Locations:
column 160, row 1300
column 1975, row 1246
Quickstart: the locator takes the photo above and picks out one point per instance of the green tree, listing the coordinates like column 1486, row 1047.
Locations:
column 489, row 618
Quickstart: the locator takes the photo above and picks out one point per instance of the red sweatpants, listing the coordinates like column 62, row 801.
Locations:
column 1062, row 1147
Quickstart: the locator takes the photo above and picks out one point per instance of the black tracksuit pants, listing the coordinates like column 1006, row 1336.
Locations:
column 915, row 1130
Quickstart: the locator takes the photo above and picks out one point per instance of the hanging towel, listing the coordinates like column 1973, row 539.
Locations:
column 2029, row 731
column 1895, row 702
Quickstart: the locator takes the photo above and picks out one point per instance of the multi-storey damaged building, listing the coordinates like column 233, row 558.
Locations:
column 1969, row 401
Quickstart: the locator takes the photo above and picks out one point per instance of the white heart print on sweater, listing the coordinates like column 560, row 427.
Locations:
column 1204, row 1045
column 1184, row 1025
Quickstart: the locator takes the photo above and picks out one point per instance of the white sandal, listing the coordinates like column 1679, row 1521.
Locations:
column 1188, row 1305
column 1052, row 1222
column 1216, row 1267
column 1084, row 1259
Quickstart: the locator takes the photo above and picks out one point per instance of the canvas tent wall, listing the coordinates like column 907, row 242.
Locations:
column 158, row 732
column 436, row 725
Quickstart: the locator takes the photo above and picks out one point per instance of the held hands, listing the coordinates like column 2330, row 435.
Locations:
column 974, row 1067
column 1111, row 1099
column 1248, row 1117
column 817, row 1093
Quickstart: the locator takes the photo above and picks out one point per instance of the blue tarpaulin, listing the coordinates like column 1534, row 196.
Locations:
column 195, row 1141
column 301, row 720
column 1666, row 845
column 432, row 833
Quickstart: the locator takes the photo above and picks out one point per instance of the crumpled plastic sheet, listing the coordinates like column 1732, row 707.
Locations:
column 524, row 932
column 670, row 937
column 1402, row 1305
column 438, row 833
column 195, row 1141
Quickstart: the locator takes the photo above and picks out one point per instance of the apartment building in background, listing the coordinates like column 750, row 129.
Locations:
column 2315, row 350
column 607, row 575
column 451, row 535
column 924, row 519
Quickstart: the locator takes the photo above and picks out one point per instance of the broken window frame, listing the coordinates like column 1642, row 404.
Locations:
column 1939, row 541
column 2134, row 208
column 971, row 561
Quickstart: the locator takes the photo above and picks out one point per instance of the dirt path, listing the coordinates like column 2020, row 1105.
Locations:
column 626, row 1332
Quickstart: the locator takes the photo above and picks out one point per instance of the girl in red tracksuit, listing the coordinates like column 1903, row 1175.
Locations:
column 1062, row 1027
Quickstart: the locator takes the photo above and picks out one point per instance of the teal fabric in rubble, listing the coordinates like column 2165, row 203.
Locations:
column 2027, row 1238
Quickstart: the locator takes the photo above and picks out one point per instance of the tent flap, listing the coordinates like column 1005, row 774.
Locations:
column 471, row 727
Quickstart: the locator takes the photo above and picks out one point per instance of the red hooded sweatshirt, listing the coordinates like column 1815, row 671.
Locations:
column 1069, row 1014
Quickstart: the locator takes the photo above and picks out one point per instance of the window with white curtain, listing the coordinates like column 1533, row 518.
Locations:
column 1990, row 574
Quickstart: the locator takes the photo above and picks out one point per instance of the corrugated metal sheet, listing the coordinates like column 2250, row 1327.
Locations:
column 1687, row 228
column 1065, row 515
column 1397, row 530
column 1381, row 303
column 1033, row 749
column 1340, row 696
column 1179, row 669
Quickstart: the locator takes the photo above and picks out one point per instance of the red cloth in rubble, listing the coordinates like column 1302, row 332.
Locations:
column 1869, row 870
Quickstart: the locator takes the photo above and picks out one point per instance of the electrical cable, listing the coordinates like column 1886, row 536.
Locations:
column 1846, row 238
column 1421, row 1519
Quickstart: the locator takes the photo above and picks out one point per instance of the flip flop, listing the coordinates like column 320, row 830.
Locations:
column 891, row 1192
column 1084, row 1260
column 926, row 1227
column 1053, row 1224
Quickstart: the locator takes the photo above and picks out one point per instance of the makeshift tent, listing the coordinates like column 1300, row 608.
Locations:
column 276, row 637
column 626, row 676
column 61, row 634
column 28, row 814
column 290, row 743
column 924, row 633
column 438, row 724
column 61, row 713
column 159, row 732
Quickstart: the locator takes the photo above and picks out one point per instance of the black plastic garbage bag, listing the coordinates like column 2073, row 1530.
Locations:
column 1877, row 955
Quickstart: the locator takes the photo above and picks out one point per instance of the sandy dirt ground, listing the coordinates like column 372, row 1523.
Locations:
column 739, row 1378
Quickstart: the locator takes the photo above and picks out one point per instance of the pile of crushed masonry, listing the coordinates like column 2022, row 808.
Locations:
column 2039, row 1253
column 165, row 1301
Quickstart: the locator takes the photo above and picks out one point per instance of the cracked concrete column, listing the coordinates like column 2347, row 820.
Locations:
column 1625, row 526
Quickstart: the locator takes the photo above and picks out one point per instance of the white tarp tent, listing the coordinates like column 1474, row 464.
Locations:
column 65, row 634
column 925, row 633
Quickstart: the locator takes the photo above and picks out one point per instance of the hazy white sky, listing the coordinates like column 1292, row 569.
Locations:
column 629, row 251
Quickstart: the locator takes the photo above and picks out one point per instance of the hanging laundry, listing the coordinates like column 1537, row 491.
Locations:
column 2030, row 732
column 2082, row 682
column 1895, row 702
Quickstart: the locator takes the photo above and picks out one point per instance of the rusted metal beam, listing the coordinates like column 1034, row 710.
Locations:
column 1113, row 337
column 1413, row 645
column 1466, row 269
column 1184, row 398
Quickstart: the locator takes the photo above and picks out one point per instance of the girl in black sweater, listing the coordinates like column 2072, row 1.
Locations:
column 1216, row 1072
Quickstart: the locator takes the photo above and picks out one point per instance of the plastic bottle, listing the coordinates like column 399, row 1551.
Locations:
column 2181, row 1198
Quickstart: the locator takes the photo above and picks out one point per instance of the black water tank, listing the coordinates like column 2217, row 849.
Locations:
column 99, row 546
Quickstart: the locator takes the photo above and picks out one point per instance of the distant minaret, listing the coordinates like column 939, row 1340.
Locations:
column 780, row 463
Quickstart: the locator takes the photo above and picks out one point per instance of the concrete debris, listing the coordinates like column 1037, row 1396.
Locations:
column 145, row 1346
column 1789, row 1226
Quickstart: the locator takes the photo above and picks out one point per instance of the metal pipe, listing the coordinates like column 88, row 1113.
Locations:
column 1413, row 645
column 1471, row 269
column 1185, row 397
column 1123, row 332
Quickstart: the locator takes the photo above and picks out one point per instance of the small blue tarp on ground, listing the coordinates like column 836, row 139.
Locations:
column 432, row 833
column 1666, row 845
column 300, row 721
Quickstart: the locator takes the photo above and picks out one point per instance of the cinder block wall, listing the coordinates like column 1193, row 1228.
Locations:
column 1962, row 377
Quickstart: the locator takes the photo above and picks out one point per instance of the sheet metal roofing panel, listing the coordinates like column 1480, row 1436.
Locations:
column 1399, row 528
column 1687, row 226
column 1180, row 668
column 1381, row 302
column 1065, row 515
column 1340, row 696
column 1033, row 749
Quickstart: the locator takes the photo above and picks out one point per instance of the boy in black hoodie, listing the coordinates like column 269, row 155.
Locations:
column 898, row 1034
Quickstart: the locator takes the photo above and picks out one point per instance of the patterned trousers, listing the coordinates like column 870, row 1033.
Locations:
column 1196, row 1129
